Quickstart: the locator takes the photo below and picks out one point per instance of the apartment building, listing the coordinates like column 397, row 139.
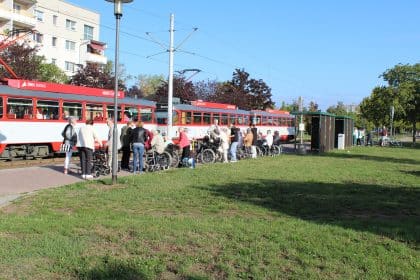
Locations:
column 67, row 35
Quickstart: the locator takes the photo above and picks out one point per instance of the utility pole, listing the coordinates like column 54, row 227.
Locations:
column 171, row 75
column 171, row 49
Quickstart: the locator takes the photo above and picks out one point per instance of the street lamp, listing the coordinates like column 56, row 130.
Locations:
column 118, row 15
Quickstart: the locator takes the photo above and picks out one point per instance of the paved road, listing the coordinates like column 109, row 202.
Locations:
column 19, row 181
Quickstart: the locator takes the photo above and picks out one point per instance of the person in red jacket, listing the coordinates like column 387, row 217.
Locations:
column 184, row 143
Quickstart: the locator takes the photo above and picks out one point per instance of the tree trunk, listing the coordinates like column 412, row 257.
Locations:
column 414, row 132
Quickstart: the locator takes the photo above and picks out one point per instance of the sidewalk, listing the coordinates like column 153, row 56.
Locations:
column 19, row 181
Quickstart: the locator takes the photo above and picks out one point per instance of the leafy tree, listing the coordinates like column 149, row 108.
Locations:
column 23, row 60
column 339, row 109
column 52, row 73
column 206, row 90
column 134, row 92
column 246, row 93
column 181, row 88
column 402, row 93
column 313, row 106
column 149, row 84
column 96, row 75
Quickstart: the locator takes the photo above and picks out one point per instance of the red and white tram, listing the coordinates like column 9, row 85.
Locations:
column 199, row 116
column 33, row 115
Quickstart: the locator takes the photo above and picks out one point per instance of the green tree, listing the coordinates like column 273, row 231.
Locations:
column 52, row 73
column 149, row 84
column 402, row 93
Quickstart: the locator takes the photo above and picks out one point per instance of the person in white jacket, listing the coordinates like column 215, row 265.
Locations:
column 224, row 143
column 87, row 138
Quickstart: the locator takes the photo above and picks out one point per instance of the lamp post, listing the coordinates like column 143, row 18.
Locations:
column 118, row 15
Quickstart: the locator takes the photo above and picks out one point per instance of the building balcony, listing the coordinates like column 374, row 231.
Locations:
column 22, row 18
column 95, row 58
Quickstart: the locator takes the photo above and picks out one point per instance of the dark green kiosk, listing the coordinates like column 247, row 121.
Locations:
column 327, row 131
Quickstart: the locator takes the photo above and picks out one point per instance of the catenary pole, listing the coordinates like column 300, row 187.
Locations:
column 171, row 75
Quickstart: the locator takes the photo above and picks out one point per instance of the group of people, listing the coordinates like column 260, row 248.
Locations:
column 232, row 138
column 360, row 138
column 136, row 139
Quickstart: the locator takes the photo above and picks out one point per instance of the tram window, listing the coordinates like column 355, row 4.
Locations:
column 146, row 114
column 47, row 110
column 1, row 107
column 246, row 120
column 94, row 112
column 232, row 119
column 224, row 120
column 110, row 112
column 240, row 119
column 264, row 120
column 131, row 113
column 197, row 118
column 175, row 118
column 256, row 120
column 18, row 108
column 72, row 110
column 275, row 121
column 206, row 118
column 185, row 117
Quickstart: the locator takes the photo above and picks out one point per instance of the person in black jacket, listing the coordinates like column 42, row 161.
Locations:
column 138, row 139
column 125, row 139
column 254, row 140
column 234, row 132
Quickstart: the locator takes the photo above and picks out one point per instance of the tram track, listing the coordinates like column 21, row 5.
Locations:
column 23, row 163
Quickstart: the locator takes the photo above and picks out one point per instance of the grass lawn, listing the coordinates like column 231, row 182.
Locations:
column 345, row 215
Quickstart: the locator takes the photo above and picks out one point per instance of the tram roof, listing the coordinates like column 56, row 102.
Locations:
column 72, row 97
column 188, row 107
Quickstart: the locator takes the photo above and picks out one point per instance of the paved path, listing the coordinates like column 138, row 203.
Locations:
column 19, row 181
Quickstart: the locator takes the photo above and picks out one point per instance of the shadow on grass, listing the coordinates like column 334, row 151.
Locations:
column 375, row 158
column 393, row 212
column 412, row 172
column 113, row 269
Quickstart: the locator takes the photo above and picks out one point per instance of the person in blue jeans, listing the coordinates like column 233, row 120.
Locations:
column 138, row 138
column 234, row 142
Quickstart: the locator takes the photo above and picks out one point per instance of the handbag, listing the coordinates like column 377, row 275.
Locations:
column 65, row 148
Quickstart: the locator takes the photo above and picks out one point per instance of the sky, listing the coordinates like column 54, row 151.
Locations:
column 324, row 51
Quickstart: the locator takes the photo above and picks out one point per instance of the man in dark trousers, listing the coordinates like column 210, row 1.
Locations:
column 254, row 140
column 125, row 145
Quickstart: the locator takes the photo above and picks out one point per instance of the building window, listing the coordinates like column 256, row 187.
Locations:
column 38, row 37
column 70, row 24
column 54, row 61
column 69, row 66
column 70, row 45
column 55, row 19
column 54, row 41
column 16, row 8
column 39, row 15
column 88, row 32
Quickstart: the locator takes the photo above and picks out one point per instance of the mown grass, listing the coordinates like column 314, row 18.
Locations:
column 345, row 215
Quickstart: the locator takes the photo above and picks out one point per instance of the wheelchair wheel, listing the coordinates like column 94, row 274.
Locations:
column 207, row 156
column 174, row 160
column 164, row 160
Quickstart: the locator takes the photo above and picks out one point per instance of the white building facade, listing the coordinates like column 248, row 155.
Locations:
column 67, row 35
